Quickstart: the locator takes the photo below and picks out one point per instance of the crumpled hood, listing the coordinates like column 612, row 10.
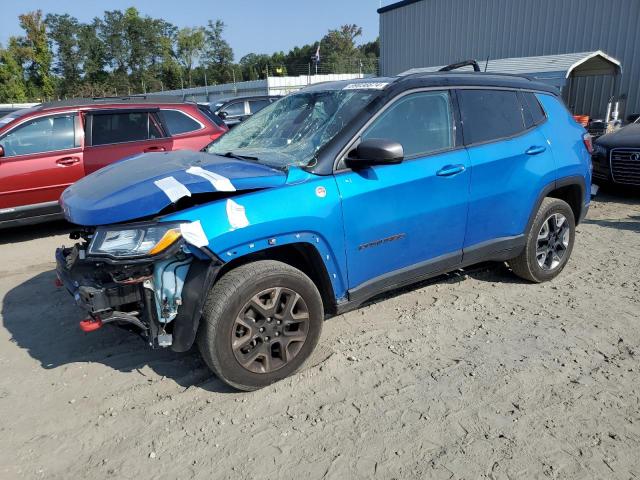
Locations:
column 144, row 185
column 628, row 136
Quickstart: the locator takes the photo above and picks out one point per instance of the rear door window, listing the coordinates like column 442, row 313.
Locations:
column 109, row 128
column 257, row 105
column 178, row 122
column 421, row 122
column 45, row 134
column 490, row 115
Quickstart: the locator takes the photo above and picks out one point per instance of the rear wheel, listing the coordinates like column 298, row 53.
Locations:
column 549, row 242
column 261, row 322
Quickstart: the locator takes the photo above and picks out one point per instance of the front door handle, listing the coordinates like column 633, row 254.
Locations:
column 67, row 161
column 449, row 170
column 155, row 148
column 535, row 149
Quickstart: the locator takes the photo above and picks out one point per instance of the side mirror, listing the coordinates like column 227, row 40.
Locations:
column 223, row 115
column 1, row 151
column 375, row 151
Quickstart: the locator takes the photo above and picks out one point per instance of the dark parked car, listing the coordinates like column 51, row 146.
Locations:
column 46, row 148
column 322, row 200
column 234, row 110
column 616, row 156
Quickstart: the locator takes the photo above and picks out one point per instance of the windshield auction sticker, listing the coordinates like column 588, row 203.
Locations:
column 366, row 86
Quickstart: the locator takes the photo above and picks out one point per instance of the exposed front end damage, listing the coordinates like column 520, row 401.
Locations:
column 146, row 295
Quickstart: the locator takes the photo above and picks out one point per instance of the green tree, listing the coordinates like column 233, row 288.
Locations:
column 63, row 30
column 111, row 31
column 340, row 52
column 12, row 84
column 39, row 54
column 190, row 45
column 92, row 53
column 218, row 54
column 255, row 66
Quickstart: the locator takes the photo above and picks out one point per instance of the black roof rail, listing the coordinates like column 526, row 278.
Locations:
column 465, row 63
column 78, row 102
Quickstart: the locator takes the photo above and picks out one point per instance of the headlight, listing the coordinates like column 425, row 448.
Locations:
column 134, row 240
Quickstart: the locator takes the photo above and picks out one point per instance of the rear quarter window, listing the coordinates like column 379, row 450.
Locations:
column 206, row 111
column 490, row 115
column 531, row 109
column 178, row 122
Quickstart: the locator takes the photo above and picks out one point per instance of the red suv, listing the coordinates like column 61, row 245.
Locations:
column 46, row 148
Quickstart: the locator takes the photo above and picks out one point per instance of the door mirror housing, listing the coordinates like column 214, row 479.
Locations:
column 1, row 151
column 223, row 115
column 375, row 151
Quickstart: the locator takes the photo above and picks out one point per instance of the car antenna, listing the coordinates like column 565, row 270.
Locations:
column 486, row 65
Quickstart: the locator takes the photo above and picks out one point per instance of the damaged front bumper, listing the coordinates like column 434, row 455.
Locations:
column 160, row 298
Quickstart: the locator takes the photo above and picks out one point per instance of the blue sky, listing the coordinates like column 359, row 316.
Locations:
column 260, row 26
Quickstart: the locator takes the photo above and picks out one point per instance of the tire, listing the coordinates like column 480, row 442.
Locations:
column 527, row 265
column 254, row 311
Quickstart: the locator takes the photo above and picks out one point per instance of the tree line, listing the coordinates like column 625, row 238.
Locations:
column 124, row 52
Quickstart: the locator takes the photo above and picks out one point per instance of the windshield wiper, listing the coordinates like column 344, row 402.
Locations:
column 240, row 157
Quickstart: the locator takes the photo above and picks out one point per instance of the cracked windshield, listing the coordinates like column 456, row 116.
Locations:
column 291, row 131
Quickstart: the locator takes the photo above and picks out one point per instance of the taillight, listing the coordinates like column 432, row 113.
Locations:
column 588, row 142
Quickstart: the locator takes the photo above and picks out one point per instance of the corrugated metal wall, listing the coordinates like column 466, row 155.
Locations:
column 437, row 32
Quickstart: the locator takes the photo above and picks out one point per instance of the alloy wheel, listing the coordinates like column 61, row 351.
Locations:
column 270, row 330
column 553, row 241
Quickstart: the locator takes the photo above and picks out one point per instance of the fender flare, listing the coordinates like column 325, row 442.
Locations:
column 203, row 274
column 550, row 187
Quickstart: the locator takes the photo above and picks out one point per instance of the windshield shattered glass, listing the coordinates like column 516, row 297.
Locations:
column 291, row 130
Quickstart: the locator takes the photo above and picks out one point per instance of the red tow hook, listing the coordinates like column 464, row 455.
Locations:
column 90, row 324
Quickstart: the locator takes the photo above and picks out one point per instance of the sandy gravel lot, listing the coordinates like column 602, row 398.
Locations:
column 474, row 375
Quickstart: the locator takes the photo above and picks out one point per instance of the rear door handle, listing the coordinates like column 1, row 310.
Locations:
column 67, row 161
column 155, row 148
column 449, row 170
column 535, row 149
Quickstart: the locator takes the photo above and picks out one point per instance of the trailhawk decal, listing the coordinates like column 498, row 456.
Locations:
column 377, row 243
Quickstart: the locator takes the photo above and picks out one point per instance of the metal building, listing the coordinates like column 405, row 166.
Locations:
column 427, row 33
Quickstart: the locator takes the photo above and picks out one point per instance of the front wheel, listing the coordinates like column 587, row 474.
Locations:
column 261, row 322
column 549, row 242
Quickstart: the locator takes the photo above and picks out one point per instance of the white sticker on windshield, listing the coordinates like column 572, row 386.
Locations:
column 236, row 215
column 172, row 188
column 366, row 86
column 194, row 234
column 220, row 183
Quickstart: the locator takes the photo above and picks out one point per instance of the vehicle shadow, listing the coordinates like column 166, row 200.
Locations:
column 31, row 232
column 631, row 223
column 43, row 320
column 624, row 194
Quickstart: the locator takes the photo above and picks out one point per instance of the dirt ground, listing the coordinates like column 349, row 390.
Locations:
column 472, row 375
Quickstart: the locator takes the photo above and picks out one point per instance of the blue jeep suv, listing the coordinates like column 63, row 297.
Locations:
column 322, row 200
